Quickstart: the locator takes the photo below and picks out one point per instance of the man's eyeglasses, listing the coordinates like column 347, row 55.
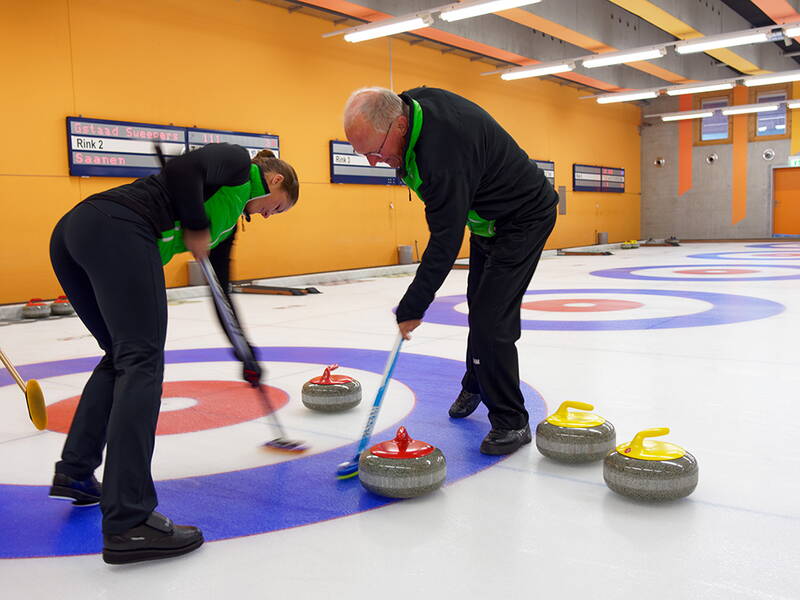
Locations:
column 378, row 154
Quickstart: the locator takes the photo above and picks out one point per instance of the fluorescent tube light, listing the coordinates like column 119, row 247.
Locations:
column 792, row 30
column 616, row 58
column 388, row 27
column 715, row 42
column 749, row 108
column 466, row 10
column 699, row 88
column 689, row 114
column 783, row 77
column 537, row 71
column 793, row 104
column 626, row 96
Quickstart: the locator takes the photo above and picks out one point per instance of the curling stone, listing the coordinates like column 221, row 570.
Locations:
column 575, row 437
column 402, row 467
column 36, row 309
column 61, row 306
column 630, row 244
column 331, row 393
column 651, row 470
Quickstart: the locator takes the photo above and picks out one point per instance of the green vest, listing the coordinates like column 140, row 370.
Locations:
column 223, row 209
column 477, row 224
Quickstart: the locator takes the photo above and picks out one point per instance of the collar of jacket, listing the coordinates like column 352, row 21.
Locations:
column 409, row 166
column 258, row 186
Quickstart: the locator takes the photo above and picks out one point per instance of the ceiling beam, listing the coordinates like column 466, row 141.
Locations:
column 499, row 38
column 688, row 20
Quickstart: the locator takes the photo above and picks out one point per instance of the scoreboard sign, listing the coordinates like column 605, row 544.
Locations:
column 349, row 167
column 102, row 148
column 549, row 168
column 588, row 178
column 252, row 142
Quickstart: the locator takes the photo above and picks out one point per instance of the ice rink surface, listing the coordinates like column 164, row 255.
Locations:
column 700, row 338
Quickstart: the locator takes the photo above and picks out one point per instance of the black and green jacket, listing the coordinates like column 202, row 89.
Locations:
column 206, row 188
column 468, row 171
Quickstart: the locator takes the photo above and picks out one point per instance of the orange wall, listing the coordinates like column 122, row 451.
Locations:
column 247, row 66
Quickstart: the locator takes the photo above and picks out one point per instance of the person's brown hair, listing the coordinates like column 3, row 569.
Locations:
column 269, row 163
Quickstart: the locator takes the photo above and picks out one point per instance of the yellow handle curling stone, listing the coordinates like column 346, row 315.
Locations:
column 575, row 437
column 651, row 470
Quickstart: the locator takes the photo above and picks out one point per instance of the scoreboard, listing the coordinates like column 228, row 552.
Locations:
column 252, row 142
column 589, row 178
column 549, row 168
column 349, row 167
column 103, row 148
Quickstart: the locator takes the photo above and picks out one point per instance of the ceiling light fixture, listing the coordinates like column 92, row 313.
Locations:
column 388, row 27
column 690, row 114
column 699, row 88
column 745, row 109
column 537, row 70
column 626, row 96
column 466, row 10
column 783, row 77
column 715, row 42
column 626, row 56
column 792, row 30
column 793, row 104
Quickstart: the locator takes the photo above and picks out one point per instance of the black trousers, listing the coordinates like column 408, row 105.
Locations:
column 106, row 259
column 500, row 269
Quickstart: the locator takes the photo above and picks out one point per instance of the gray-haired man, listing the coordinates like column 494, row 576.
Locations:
column 468, row 171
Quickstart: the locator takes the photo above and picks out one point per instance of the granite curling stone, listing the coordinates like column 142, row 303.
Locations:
column 61, row 306
column 629, row 244
column 402, row 467
column 331, row 393
column 36, row 308
column 651, row 470
column 575, row 437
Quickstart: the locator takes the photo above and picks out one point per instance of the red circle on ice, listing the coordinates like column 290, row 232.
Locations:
column 212, row 404
column 581, row 305
column 717, row 271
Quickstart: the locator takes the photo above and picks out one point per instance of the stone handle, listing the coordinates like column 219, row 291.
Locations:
column 565, row 406
column 637, row 444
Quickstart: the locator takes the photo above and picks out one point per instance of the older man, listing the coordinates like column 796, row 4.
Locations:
column 467, row 170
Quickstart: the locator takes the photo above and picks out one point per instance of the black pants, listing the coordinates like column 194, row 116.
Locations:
column 500, row 269
column 106, row 259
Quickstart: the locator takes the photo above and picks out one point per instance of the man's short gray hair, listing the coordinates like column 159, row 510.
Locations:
column 377, row 106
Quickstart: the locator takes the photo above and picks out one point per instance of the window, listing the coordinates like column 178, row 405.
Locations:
column 772, row 122
column 716, row 127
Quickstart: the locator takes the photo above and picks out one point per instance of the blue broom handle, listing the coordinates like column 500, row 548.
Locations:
column 387, row 374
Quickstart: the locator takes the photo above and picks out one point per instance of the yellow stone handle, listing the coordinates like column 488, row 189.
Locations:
column 637, row 444
column 563, row 410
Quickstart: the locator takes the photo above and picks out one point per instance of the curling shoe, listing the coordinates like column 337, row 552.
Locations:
column 82, row 492
column 158, row 537
column 464, row 405
column 505, row 441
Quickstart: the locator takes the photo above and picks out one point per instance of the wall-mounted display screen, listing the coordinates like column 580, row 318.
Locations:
column 589, row 178
column 103, row 148
column 349, row 167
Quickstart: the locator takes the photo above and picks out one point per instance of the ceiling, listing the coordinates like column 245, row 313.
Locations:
column 558, row 29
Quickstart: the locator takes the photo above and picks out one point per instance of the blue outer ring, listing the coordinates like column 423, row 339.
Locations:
column 724, row 256
column 727, row 308
column 261, row 499
column 777, row 245
column 628, row 273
